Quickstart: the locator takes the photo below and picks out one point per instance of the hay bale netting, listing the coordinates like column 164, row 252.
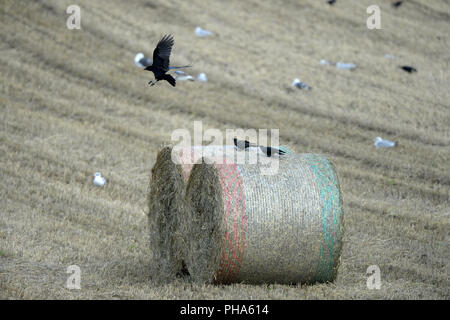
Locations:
column 167, row 208
column 282, row 228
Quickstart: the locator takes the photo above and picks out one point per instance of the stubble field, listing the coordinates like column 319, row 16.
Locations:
column 73, row 102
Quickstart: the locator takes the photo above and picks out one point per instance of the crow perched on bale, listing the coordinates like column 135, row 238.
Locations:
column 242, row 145
column 160, row 65
column 269, row 151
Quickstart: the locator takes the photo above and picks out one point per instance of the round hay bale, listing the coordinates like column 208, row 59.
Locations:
column 166, row 202
column 168, row 207
column 282, row 228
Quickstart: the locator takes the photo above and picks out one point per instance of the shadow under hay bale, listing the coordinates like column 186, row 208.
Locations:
column 282, row 228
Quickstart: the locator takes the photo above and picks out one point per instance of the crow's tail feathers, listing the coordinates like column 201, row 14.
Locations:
column 170, row 68
column 170, row 79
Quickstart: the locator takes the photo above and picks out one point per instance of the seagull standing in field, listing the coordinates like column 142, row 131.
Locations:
column 202, row 77
column 99, row 180
column 301, row 85
column 161, row 60
column 345, row 66
column 381, row 143
column 142, row 61
column 185, row 78
column 199, row 32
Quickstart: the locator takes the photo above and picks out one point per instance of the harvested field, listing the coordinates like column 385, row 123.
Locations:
column 73, row 102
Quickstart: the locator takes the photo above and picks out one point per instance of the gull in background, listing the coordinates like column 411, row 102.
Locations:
column 199, row 32
column 185, row 78
column 301, row 85
column 380, row 143
column 99, row 180
column 345, row 66
column 142, row 61
column 202, row 77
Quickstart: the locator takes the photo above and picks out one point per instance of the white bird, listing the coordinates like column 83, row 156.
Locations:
column 184, row 78
column 345, row 66
column 324, row 62
column 142, row 61
column 301, row 85
column 380, row 143
column 99, row 180
column 202, row 77
column 202, row 32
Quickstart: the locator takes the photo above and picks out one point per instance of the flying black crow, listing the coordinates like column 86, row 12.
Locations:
column 242, row 145
column 160, row 65
column 269, row 151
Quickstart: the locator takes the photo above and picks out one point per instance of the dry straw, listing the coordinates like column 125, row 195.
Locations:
column 166, row 201
column 245, row 226
column 168, row 208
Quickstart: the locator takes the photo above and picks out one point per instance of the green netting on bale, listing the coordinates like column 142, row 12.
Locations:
column 332, row 215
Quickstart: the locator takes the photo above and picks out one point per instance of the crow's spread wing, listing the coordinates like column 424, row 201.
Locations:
column 162, row 52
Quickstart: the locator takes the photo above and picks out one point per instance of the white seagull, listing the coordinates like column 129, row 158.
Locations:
column 380, row 143
column 185, row 78
column 345, row 66
column 202, row 32
column 99, row 180
column 142, row 61
column 301, row 85
column 202, row 77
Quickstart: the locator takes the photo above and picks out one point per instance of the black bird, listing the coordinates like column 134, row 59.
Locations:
column 161, row 60
column 269, row 151
column 331, row 2
column 408, row 69
column 397, row 4
column 242, row 145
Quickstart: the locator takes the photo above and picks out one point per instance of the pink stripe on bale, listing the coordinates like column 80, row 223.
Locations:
column 235, row 222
